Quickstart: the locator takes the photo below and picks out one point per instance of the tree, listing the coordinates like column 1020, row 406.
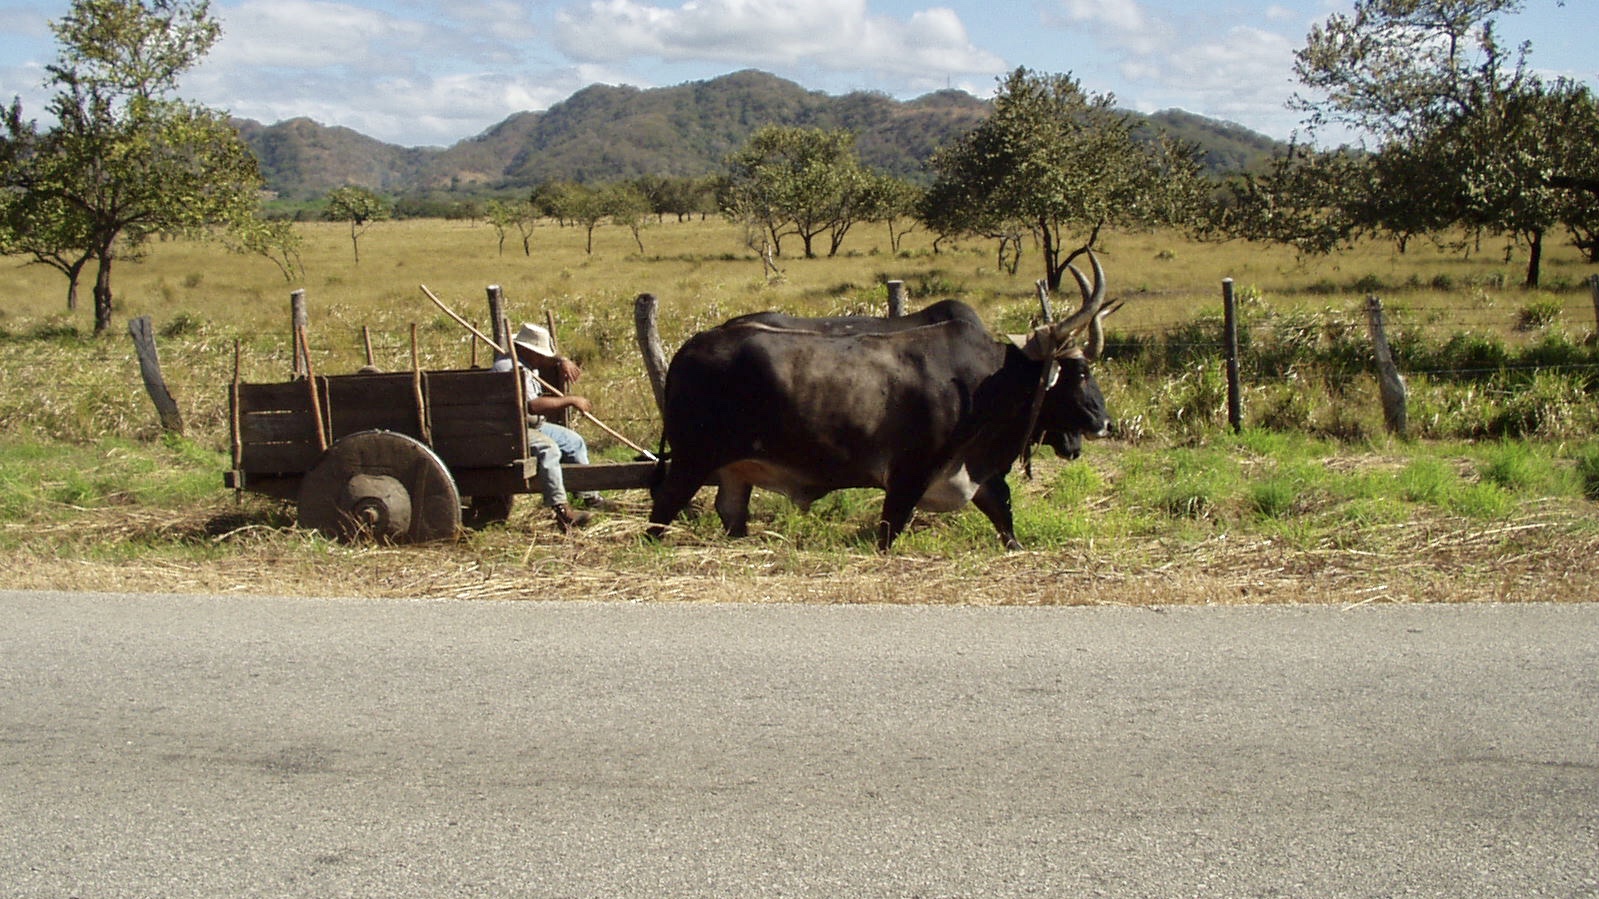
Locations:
column 503, row 216
column 126, row 160
column 803, row 182
column 1576, row 173
column 1303, row 199
column 1462, row 124
column 627, row 205
column 38, row 223
column 1052, row 160
column 358, row 206
column 892, row 201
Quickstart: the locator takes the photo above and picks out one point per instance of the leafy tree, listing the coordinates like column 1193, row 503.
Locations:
column 1302, row 198
column 554, row 199
column 679, row 197
column 627, row 206
column 1467, row 134
column 521, row 215
column 892, row 201
column 803, row 182
column 126, row 160
column 1576, row 172
column 588, row 206
column 361, row 208
column 38, row 223
column 1053, row 160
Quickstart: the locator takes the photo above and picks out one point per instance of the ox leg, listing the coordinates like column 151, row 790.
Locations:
column 733, row 505
column 993, row 500
column 899, row 504
column 671, row 496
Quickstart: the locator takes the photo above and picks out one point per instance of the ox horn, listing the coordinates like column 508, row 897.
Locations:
column 1052, row 339
column 1093, row 297
column 1096, row 325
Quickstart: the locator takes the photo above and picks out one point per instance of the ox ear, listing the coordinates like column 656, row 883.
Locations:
column 1042, row 344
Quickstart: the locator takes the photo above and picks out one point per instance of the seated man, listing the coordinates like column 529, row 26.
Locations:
column 551, row 443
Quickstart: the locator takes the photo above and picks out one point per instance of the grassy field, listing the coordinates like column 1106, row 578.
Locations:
column 1313, row 502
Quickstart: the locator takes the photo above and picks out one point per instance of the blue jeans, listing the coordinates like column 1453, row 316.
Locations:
column 574, row 448
column 553, row 444
column 545, row 449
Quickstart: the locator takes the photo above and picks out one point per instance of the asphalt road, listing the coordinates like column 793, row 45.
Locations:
column 234, row 747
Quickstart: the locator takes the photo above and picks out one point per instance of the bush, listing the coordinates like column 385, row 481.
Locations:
column 1588, row 472
column 1551, row 405
column 1538, row 314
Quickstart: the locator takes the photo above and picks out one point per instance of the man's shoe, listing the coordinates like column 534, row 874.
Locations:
column 567, row 520
column 597, row 503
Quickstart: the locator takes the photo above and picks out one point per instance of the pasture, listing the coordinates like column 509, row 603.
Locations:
column 1491, row 499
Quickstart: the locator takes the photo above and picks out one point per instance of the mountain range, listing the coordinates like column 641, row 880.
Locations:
column 606, row 133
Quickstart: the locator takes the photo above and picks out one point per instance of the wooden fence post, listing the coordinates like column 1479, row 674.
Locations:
column 896, row 299
column 1235, row 401
column 1394, row 403
column 298, row 325
column 649, row 343
column 501, row 332
column 150, row 368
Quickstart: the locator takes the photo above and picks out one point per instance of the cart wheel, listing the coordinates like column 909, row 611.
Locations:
column 383, row 485
column 483, row 511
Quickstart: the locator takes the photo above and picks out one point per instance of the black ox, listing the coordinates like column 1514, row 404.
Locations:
column 929, row 407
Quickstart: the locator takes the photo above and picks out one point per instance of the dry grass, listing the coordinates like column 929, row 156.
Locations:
column 1546, row 553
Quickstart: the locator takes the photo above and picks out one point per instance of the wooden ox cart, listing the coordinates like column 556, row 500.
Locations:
column 403, row 457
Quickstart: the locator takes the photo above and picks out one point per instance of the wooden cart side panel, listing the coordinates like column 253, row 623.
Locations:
column 475, row 418
column 277, row 430
column 373, row 402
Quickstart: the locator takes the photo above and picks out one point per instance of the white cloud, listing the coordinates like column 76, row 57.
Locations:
column 838, row 35
column 1121, row 16
column 1194, row 59
column 312, row 34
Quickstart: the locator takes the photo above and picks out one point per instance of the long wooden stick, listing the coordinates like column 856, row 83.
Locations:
column 316, row 399
column 543, row 383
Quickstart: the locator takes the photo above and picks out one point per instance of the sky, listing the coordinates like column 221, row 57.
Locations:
column 435, row 72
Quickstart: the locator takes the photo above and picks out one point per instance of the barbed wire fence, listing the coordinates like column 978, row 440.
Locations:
column 1234, row 335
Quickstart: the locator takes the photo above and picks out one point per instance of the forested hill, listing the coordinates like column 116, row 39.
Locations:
column 604, row 133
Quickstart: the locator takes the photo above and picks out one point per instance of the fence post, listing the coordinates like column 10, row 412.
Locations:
column 1392, row 385
column 298, row 323
column 896, row 299
column 497, row 317
column 1593, row 288
column 649, row 343
column 150, row 368
column 1235, row 400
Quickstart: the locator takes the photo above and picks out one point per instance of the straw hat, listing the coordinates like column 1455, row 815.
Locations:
column 535, row 339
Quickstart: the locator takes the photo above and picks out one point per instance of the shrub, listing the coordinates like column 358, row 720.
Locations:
column 1588, row 472
column 1551, row 405
column 1538, row 314
column 1514, row 466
